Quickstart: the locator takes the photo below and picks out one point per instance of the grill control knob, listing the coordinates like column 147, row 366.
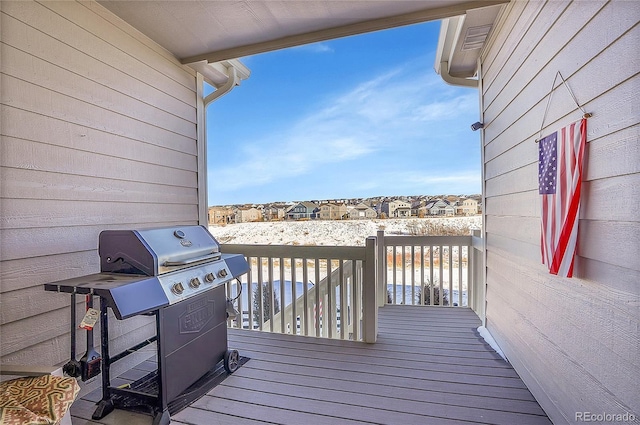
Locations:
column 222, row 273
column 209, row 277
column 194, row 283
column 177, row 288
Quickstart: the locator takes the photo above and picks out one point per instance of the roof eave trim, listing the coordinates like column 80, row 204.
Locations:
column 341, row 31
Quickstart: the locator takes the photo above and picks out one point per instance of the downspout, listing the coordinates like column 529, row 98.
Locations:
column 455, row 81
column 224, row 89
column 202, row 103
column 484, row 196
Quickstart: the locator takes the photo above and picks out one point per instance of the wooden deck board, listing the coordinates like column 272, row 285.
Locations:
column 428, row 366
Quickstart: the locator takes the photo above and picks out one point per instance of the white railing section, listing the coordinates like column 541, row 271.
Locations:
column 335, row 291
column 323, row 291
column 428, row 270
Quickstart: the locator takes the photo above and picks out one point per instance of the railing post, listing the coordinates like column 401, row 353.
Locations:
column 476, row 261
column 369, row 293
column 381, row 266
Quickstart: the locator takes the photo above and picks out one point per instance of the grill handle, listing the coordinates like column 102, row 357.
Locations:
column 214, row 256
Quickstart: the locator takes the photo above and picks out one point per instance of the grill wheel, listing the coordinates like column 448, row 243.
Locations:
column 231, row 360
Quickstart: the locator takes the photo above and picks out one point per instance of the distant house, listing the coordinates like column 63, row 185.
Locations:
column 219, row 215
column 332, row 211
column 247, row 215
column 467, row 206
column 396, row 208
column 303, row 210
column 440, row 207
column 417, row 207
column 361, row 212
column 274, row 212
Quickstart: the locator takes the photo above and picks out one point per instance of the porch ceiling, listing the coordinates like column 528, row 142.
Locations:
column 196, row 31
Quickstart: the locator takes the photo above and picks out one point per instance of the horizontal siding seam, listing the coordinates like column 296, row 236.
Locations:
column 105, row 155
column 531, row 138
column 102, row 62
column 567, row 78
column 106, row 86
column 118, row 48
column 137, row 119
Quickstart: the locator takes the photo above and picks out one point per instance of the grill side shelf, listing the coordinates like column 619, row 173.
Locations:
column 127, row 295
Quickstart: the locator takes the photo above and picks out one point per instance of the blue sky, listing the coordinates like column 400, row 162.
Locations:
column 354, row 117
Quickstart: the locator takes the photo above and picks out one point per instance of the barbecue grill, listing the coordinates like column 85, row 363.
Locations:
column 178, row 275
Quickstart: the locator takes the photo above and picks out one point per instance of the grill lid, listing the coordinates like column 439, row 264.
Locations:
column 155, row 251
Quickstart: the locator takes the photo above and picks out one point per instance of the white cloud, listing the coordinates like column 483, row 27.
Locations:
column 316, row 48
column 402, row 105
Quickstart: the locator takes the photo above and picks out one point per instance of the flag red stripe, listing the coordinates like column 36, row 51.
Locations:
column 560, row 210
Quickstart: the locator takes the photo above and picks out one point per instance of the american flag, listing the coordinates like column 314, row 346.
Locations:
column 559, row 177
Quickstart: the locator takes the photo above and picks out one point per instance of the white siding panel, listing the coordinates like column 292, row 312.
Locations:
column 35, row 184
column 16, row 244
column 99, row 70
column 591, row 76
column 38, row 72
column 597, row 195
column 39, row 128
column 25, row 272
column 37, row 213
column 573, row 341
column 23, row 154
column 118, row 33
column 614, row 154
column 518, row 48
column 144, row 65
column 99, row 132
column 23, row 95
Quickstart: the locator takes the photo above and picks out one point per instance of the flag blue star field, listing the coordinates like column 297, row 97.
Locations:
column 559, row 176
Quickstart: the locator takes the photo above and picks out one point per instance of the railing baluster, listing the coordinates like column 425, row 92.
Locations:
column 330, row 303
column 422, row 294
column 272, row 295
column 459, row 275
column 355, row 300
column 249, row 293
column 304, row 320
column 260, row 295
column 294, row 297
column 317, row 291
column 344, row 313
column 283, row 302
column 431, row 282
column 471, row 276
column 413, row 275
column 395, row 261
column 404, row 275
column 450, row 256
column 441, row 273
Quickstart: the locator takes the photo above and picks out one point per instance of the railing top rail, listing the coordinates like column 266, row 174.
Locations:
column 297, row 251
column 406, row 240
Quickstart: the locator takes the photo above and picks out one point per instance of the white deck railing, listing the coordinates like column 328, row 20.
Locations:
column 324, row 291
column 335, row 291
column 427, row 270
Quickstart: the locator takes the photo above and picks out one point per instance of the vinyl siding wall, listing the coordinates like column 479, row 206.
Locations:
column 98, row 132
column 575, row 342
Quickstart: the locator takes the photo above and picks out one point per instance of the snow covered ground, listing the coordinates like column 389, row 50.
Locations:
column 335, row 232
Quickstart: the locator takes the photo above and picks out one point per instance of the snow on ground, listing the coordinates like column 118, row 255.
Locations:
column 335, row 232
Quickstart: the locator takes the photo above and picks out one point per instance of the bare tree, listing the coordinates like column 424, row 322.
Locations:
column 425, row 298
column 268, row 297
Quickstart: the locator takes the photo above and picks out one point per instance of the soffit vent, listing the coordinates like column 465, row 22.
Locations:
column 475, row 37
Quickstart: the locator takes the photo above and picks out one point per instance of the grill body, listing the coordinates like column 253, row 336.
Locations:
column 177, row 275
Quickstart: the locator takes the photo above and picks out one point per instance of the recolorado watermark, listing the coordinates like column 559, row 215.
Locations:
column 604, row 417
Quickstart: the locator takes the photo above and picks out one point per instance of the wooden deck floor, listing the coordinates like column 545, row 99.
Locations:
column 429, row 366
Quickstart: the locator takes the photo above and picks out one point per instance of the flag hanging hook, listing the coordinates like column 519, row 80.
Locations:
column 585, row 113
